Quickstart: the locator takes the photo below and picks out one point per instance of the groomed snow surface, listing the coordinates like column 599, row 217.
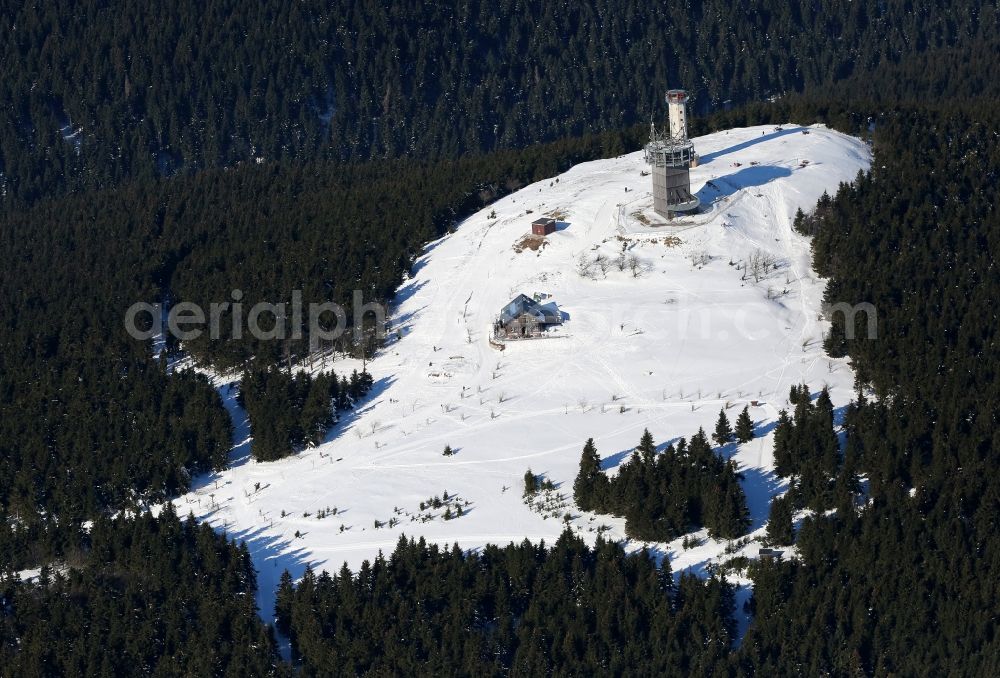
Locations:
column 664, row 350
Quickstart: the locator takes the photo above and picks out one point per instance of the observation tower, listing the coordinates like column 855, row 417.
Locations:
column 671, row 156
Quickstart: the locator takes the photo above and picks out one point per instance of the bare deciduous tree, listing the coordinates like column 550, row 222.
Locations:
column 759, row 264
column 700, row 258
column 603, row 263
column 635, row 266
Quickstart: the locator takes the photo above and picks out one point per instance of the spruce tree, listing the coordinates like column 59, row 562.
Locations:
column 316, row 410
column 779, row 521
column 783, row 455
column 588, row 480
column 824, row 407
column 647, row 447
column 726, row 512
column 723, row 431
column 744, row 426
column 530, row 483
column 699, row 446
column 283, row 603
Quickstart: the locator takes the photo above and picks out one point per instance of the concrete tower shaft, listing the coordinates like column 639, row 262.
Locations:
column 677, row 113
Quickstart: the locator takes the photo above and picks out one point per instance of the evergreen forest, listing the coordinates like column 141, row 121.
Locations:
column 665, row 494
column 180, row 151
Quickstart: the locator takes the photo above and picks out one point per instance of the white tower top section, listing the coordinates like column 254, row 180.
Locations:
column 677, row 106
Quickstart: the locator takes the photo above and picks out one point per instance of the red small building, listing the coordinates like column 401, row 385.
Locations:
column 543, row 226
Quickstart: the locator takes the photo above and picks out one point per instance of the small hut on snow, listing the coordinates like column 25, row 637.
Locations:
column 524, row 317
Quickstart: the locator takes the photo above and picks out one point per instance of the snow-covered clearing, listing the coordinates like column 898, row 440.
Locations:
column 664, row 350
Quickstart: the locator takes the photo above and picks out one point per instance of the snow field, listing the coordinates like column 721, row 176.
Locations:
column 662, row 349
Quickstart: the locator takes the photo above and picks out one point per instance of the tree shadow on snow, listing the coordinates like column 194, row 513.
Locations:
column 272, row 554
column 760, row 487
column 239, row 453
column 704, row 159
column 403, row 321
column 614, row 460
column 406, row 292
column 349, row 417
column 723, row 187
column 763, row 428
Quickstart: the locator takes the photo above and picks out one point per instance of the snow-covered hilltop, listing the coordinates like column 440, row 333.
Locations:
column 663, row 344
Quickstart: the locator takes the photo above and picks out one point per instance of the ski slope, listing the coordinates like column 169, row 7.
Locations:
column 664, row 350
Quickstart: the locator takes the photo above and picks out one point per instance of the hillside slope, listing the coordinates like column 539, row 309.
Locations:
column 663, row 348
